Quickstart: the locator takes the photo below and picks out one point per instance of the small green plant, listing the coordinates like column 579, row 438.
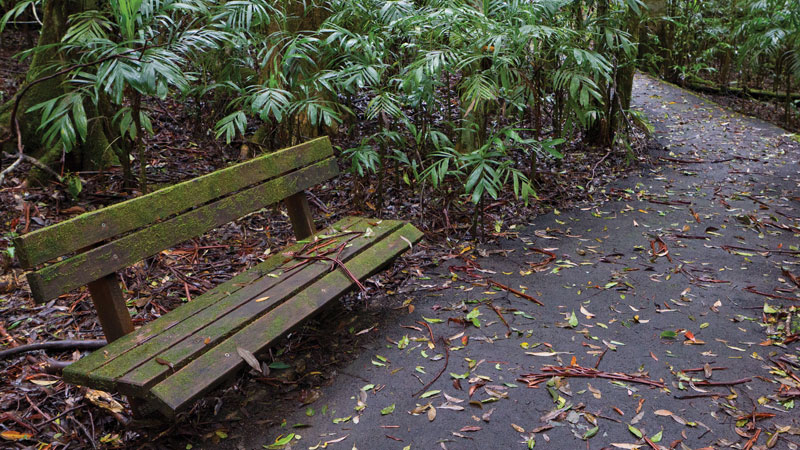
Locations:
column 9, row 250
column 74, row 185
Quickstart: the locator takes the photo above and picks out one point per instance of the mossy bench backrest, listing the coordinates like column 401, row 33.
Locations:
column 99, row 243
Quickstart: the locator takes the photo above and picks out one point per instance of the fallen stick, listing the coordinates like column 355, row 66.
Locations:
column 502, row 319
column 67, row 344
column 703, row 395
column 722, row 383
column 752, row 289
column 753, row 440
column 702, row 161
column 491, row 282
column 584, row 372
column 651, row 444
column 756, row 416
column 702, row 369
column 446, row 360
column 759, row 250
column 550, row 258
column 430, row 330
column 597, row 364
column 54, row 367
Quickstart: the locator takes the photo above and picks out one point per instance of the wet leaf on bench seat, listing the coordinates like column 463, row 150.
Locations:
column 249, row 358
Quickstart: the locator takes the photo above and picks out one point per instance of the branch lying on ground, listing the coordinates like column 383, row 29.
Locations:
column 491, row 282
column 548, row 372
column 444, row 367
column 67, row 344
column 23, row 157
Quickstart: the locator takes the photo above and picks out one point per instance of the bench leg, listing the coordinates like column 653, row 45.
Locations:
column 300, row 215
column 110, row 306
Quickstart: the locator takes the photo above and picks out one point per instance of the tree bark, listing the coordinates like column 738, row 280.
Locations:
column 96, row 152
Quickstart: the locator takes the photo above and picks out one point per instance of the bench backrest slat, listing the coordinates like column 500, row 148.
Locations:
column 216, row 200
column 94, row 227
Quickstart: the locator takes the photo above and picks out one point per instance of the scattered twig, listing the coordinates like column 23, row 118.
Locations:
column 702, row 161
column 597, row 364
column 651, row 444
column 758, row 250
column 591, row 178
column 702, row 369
column 13, row 417
column 40, row 425
column 548, row 372
column 669, row 202
column 446, row 360
column 67, row 344
column 502, row 319
column 22, row 157
column 430, row 330
column 722, row 383
column 54, row 367
column 701, row 395
column 540, row 265
column 753, row 440
column 491, row 282
column 753, row 290
column 756, row 416
column 663, row 250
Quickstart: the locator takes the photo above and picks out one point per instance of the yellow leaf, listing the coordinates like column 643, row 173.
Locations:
column 11, row 435
column 104, row 400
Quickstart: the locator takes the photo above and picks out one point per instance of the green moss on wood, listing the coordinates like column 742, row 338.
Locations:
column 78, row 373
column 74, row 272
column 92, row 227
column 208, row 370
column 186, row 341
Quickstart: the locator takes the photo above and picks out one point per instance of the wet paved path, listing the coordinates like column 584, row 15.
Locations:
column 687, row 265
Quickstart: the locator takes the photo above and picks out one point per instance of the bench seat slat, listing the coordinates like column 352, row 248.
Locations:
column 64, row 276
column 78, row 372
column 139, row 369
column 207, row 370
column 66, row 237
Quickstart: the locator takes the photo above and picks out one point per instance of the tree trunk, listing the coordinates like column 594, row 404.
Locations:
column 96, row 152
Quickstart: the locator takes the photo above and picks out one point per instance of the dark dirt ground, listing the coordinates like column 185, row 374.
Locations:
column 654, row 291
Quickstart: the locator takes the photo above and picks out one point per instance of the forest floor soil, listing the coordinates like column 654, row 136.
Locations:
column 687, row 276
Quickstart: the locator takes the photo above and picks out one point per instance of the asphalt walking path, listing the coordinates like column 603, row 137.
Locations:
column 667, row 315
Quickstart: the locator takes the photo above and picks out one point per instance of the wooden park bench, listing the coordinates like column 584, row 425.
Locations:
column 168, row 363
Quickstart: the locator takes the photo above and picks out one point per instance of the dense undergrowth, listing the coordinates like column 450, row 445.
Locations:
column 461, row 101
column 748, row 49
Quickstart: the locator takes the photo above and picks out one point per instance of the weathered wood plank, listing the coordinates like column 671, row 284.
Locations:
column 202, row 374
column 77, row 372
column 64, row 276
column 111, row 308
column 96, row 226
column 300, row 215
column 215, row 324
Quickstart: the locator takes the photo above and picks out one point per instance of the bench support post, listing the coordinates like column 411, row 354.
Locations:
column 110, row 306
column 300, row 215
